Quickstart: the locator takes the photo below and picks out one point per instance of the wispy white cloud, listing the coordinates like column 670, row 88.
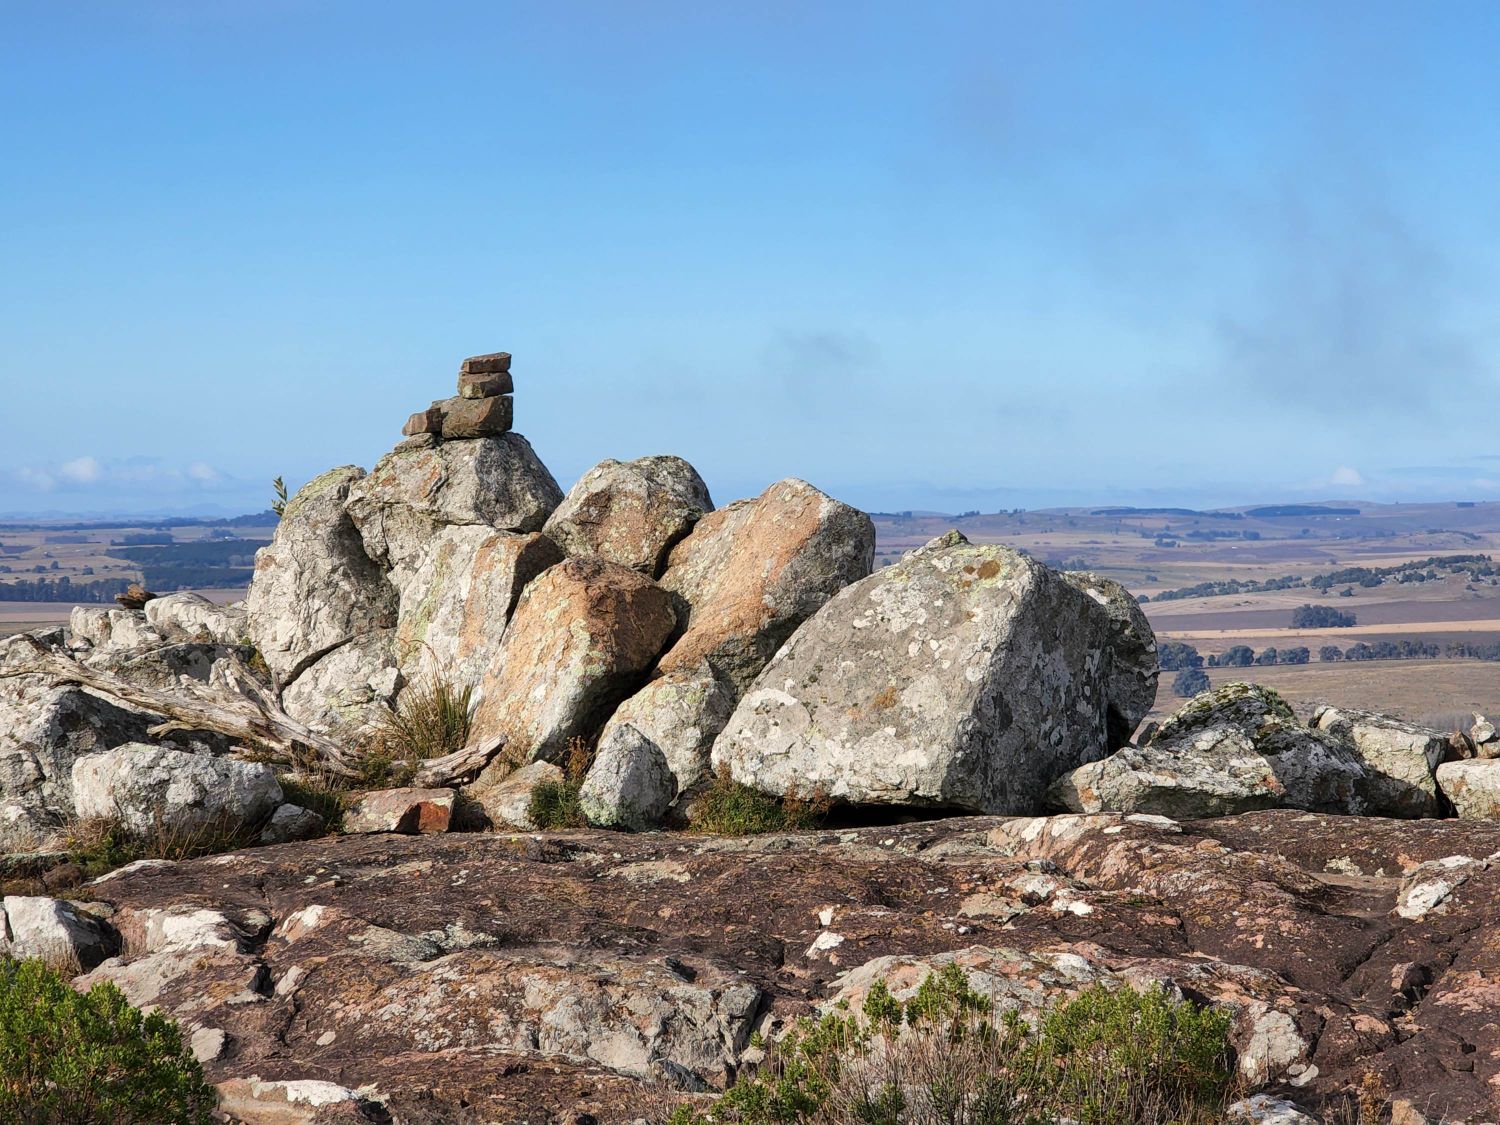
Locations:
column 1347, row 477
column 104, row 476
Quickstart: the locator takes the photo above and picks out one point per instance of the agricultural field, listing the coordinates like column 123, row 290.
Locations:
column 1273, row 554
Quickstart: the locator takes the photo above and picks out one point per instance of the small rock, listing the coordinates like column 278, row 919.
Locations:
column 429, row 421
column 135, row 596
column 411, row 812
column 1266, row 1110
column 292, row 822
column 208, row 1043
column 629, row 785
column 149, row 789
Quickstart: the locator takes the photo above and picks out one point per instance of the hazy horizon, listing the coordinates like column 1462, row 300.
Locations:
column 988, row 257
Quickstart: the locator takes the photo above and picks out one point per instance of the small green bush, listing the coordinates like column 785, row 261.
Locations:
column 1103, row 1057
column 728, row 808
column 555, row 805
column 69, row 1058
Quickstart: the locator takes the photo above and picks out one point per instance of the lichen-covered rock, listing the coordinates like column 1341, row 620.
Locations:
column 750, row 573
column 192, row 617
column 1473, row 787
column 349, row 690
column 630, row 512
column 1400, row 758
column 680, row 714
column 147, row 789
column 166, row 666
column 44, row 729
column 583, row 634
column 458, row 597
column 52, row 931
column 1133, row 665
column 1218, row 771
column 963, row 677
column 112, row 627
column 292, row 822
column 1247, row 707
column 1263, row 1109
column 629, row 785
column 314, row 588
column 493, row 482
column 506, row 797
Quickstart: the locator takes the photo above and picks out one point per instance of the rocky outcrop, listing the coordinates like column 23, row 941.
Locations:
column 750, row 573
column 315, row 590
column 631, row 512
column 192, row 617
column 963, row 677
column 583, row 634
column 53, row 931
column 547, row 977
column 150, row 789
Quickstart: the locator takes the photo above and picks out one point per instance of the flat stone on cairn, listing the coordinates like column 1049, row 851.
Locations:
column 483, row 407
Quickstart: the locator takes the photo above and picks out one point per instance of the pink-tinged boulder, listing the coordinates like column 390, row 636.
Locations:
column 457, row 598
column 411, row 812
column 749, row 574
column 1473, row 787
column 631, row 512
column 582, row 636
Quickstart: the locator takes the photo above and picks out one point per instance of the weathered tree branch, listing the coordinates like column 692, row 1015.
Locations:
column 253, row 720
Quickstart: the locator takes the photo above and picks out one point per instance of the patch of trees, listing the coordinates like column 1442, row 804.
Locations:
column 62, row 589
column 1240, row 656
column 1176, row 656
column 1321, row 617
column 1275, row 511
column 1190, row 682
column 1475, row 566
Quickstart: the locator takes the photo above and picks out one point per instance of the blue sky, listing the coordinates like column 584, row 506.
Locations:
column 946, row 256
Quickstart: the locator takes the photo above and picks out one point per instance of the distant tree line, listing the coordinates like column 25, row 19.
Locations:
column 62, row 589
column 1180, row 657
column 1477, row 567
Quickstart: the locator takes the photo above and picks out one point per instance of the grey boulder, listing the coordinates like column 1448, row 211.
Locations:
column 53, row 931
column 963, row 677
column 1401, row 758
column 146, row 789
column 192, row 617
column 629, row 785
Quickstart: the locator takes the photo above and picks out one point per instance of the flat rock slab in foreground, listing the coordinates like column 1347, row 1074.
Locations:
column 470, row 978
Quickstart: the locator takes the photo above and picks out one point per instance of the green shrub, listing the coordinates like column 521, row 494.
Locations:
column 727, row 808
column 69, row 1058
column 555, row 805
column 1103, row 1057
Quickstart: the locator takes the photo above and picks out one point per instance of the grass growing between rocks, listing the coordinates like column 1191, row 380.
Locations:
column 324, row 794
column 1103, row 1057
column 102, row 844
column 555, row 805
column 728, row 808
column 70, row 1058
column 433, row 717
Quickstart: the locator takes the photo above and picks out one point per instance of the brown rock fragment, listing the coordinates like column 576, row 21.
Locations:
column 476, row 417
column 491, row 364
column 429, row 421
column 472, row 385
column 412, row 812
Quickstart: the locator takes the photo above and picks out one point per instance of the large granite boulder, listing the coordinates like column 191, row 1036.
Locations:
column 113, row 628
column 582, row 636
column 44, row 729
column 1400, row 758
column 413, row 493
column 315, row 589
column 149, row 789
column 1235, row 749
column 350, row 690
column 53, row 931
column 631, row 512
column 457, row 600
column 750, row 573
column 963, row 677
column 1133, row 666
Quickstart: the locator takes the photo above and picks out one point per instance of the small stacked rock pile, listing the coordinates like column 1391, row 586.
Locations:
column 483, row 407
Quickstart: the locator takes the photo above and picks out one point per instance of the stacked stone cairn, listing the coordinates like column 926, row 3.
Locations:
column 482, row 408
